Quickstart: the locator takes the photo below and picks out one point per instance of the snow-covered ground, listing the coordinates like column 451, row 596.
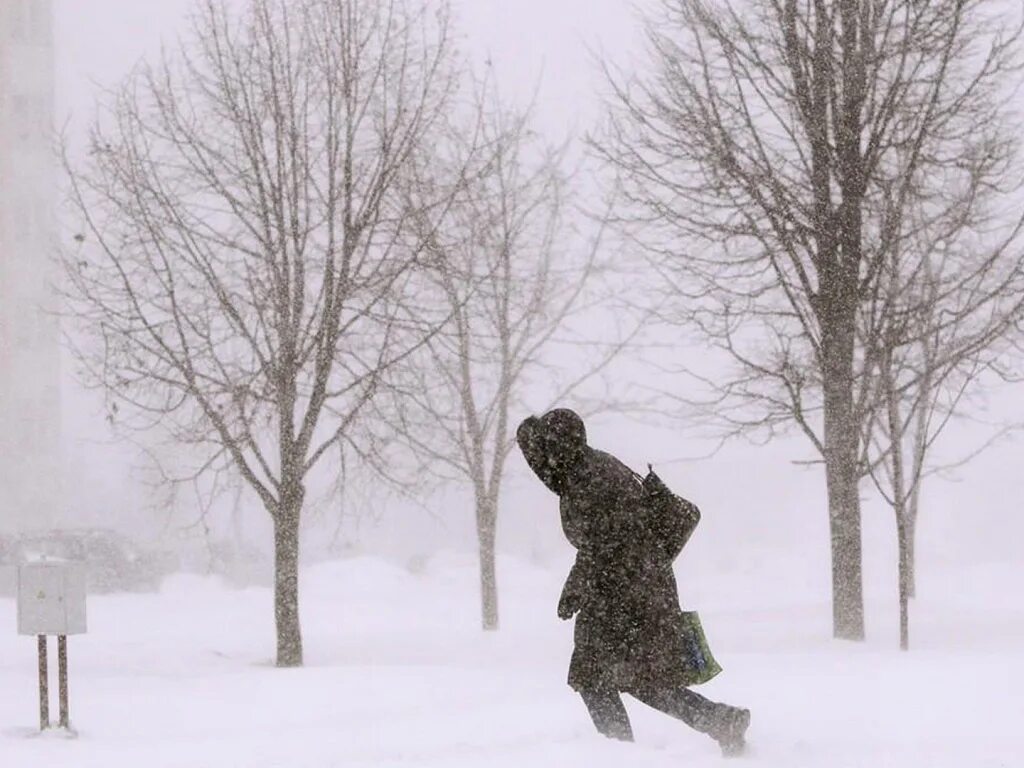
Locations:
column 398, row 674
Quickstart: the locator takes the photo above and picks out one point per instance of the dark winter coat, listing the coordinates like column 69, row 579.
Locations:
column 629, row 629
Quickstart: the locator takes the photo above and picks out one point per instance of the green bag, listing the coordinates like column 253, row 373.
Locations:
column 700, row 664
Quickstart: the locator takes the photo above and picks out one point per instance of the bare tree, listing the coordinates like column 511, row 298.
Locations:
column 770, row 160
column 245, row 280
column 518, row 274
column 950, row 309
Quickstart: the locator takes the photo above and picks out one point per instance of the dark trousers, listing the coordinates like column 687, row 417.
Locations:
column 609, row 714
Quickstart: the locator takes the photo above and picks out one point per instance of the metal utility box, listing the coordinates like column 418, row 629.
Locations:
column 51, row 598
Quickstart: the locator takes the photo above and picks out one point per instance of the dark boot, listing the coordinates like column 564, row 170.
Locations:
column 725, row 724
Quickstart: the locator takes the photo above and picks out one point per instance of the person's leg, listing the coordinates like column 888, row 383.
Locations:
column 699, row 713
column 724, row 723
column 608, row 713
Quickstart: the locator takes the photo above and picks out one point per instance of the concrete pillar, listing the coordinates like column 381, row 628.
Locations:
column 30, row 480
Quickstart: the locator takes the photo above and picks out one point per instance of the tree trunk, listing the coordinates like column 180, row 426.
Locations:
column 912, row 540
column 899, row 491
column 904, row 583
column 842, row 480
column 911, row 552
column 839, row 279
column 286, row 588
column 486, row 519
column 899, row 498
column 845, row 533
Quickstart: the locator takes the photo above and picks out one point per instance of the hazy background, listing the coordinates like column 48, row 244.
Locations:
column 760, row 509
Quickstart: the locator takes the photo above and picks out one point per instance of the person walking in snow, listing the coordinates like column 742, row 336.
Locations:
column 630, row 635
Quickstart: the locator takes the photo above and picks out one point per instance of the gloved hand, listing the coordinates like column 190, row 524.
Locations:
column 573, row 592
column 569, row 604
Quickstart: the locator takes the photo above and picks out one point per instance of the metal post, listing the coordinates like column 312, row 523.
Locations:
column 62, row 685
column 44, row 686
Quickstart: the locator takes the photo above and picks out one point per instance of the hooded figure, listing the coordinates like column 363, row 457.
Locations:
column 629, row 634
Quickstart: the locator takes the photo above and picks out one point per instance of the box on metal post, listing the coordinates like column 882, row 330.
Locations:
column 51, row 598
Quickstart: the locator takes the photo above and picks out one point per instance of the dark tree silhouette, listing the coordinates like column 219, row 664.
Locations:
column 247, row 277
column 770, row 160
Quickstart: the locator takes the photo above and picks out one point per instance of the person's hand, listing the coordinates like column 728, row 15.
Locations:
column 569, row 605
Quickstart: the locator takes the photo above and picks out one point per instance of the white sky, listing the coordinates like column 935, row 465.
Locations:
column 98, row 40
